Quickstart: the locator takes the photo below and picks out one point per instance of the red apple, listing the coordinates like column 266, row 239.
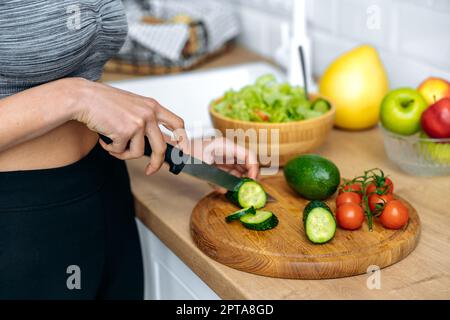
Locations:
column 435, row 119
column 434, row 89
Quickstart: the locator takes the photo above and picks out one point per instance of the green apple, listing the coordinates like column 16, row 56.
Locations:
column 401, row 110
column 435, row 151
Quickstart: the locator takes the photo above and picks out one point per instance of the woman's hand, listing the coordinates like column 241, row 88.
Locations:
column 226, row 155
column 126, row 117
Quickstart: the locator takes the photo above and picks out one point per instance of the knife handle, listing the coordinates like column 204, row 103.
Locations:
column 169, row 156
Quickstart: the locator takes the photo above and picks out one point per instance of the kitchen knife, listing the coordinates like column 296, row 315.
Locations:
column 180, row 162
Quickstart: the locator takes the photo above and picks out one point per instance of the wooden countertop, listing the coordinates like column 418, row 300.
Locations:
column 165, row 202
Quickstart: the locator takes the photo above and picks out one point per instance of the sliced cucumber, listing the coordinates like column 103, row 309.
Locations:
column 319, row 222
column 262, row 220
column 321, row 105
column 248, row 193
column 236, row 215
column 312, row 205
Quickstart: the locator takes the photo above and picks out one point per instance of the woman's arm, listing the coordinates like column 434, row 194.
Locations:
column 120, row 115
column 34, row 112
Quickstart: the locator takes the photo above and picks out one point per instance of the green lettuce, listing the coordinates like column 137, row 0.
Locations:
column 266, row 101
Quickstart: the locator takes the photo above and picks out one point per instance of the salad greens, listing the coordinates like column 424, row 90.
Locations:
column 269, row 101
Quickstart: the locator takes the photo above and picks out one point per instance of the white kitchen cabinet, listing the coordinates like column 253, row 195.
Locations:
column 165, row 275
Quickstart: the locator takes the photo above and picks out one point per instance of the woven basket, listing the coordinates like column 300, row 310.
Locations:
column 118, row 65
column 295, row 138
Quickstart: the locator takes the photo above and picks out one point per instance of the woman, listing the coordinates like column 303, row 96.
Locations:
column 67, row 227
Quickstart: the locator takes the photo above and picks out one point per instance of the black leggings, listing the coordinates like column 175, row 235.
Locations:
column 70, row 232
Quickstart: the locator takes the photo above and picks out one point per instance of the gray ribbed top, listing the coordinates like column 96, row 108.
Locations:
column 41, row 41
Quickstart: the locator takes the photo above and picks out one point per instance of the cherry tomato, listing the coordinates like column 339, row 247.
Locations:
column 262, row 115
column 353, row 187
column 348, row 197
column 350, row 216
column 395, row 215
column 381, row 185
column 379, row 199
column 390, row 185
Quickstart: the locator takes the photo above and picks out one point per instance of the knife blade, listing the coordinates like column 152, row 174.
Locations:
column 207, row 172
column 181, row 162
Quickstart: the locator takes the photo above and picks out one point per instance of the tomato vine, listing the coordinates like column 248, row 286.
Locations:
column 370, row 177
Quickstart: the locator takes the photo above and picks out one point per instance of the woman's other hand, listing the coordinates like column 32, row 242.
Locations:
column 226, row 155
column 126, row 117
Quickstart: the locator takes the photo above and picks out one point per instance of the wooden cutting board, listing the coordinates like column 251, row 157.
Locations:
column 284, row 251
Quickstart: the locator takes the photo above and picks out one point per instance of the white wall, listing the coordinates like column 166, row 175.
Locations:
column 413, row 37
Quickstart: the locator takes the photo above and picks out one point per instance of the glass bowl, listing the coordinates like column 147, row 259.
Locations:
column 417, row 155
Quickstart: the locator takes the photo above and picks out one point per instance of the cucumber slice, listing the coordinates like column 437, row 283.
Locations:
column 262, row 220
column 248, row 193
column 312, row 205
column 320, row 225
column 321, row 105
column 236, row 215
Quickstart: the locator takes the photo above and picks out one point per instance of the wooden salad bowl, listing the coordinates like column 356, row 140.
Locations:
column 295, row 138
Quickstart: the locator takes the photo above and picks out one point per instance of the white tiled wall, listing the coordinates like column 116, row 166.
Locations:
column 413, row 37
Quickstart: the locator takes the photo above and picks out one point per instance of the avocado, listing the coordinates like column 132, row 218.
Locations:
column 312, row 176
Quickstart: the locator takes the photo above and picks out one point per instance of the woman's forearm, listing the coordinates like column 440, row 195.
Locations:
column 122, row 116
column 34, row 112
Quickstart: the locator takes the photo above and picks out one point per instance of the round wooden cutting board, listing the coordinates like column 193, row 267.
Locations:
column 284, row 251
